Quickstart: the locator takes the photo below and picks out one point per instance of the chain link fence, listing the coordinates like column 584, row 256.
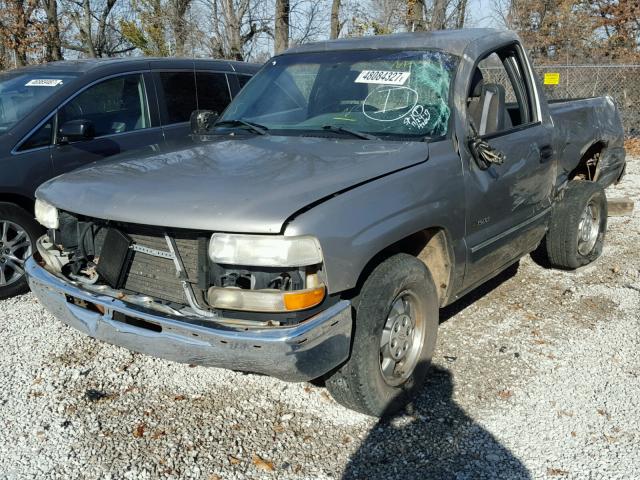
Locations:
column 622, row 82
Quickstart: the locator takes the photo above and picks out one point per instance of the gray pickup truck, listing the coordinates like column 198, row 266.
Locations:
column 315, row 228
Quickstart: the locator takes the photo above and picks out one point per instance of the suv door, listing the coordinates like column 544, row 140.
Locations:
column 176, row 100
column 182, row 92
column 506, row 204
column 119, row 110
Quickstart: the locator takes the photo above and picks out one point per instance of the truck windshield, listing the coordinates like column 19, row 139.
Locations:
column 383, row 93
column 21, row 92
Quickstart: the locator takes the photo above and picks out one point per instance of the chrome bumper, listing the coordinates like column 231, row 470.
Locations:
column 298, row 353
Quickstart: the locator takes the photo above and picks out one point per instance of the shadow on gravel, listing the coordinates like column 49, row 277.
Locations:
column 487, row 287
column 437, row 441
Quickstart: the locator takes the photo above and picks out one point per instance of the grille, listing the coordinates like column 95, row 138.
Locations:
column 157, row 276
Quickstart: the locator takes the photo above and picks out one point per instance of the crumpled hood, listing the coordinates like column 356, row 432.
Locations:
column 250, row 185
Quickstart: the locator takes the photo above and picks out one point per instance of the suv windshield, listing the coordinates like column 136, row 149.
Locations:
column 21, row 92
column 386, row 93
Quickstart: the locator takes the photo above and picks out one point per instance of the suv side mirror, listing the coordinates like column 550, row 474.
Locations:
column 202, row 121
column 76, row 130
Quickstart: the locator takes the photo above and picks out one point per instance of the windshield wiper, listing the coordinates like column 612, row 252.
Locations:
column 254, row 127
column 354, row 133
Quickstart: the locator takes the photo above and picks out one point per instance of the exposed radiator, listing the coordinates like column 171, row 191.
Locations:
column 157, row 276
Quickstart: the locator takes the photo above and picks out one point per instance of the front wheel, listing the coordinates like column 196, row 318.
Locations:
column 396, row 324
column 18, row 233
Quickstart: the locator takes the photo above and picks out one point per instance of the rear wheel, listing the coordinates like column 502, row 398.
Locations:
column 18, row 233
column 396, row 323
column 578, row 225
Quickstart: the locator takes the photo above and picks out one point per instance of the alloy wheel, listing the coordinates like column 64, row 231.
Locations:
column 15, row 248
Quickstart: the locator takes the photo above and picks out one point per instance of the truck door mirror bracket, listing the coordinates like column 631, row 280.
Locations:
column 483, row 153
column 202, row 120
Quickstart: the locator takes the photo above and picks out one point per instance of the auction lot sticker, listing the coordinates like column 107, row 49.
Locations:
column 43, row 82
column 382, row 77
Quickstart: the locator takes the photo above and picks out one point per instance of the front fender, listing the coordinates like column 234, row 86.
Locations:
column 355, row 226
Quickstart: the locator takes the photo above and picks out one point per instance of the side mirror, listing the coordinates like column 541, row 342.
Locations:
column 483, row 153
column 76, row 130
column 202, row 121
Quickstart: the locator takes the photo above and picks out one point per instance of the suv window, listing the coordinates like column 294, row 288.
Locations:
column 213, row 91
column 116, row 105
column 243, row 79
column 499, row 96
column 40, row 138
column 179, row 90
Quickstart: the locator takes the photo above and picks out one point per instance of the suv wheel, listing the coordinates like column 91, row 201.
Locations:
column 18, row 233
column 578, row 225
column 395, row 329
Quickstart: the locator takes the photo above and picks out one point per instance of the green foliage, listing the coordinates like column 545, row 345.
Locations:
column 148, row 31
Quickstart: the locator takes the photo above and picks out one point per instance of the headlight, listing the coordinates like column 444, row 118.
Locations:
column 47, row 214
column 264, row 251
column 280, row 273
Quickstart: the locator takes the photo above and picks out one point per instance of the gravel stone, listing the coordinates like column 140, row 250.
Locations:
column 536, row 375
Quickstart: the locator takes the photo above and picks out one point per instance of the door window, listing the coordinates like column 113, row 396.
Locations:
column 213, row 91
column 116, row 105
column 40, row 138
column 179, row 90
column 243, row 79
column 499, row 96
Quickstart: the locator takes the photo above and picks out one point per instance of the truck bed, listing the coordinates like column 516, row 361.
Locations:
column 584, row 127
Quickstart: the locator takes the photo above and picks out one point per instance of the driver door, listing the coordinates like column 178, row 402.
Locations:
column 506, row 204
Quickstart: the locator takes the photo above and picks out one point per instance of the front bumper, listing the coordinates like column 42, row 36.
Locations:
column 298, row 353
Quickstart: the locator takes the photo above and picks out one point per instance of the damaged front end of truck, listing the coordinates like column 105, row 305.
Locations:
column 245, row 302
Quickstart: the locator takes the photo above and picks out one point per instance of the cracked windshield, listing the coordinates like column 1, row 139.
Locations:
column 388, row 94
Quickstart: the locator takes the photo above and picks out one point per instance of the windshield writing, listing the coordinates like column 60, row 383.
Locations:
column 383, row 93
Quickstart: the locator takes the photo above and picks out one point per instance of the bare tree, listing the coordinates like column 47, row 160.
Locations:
column 281, row 30
column 439, row 15
column 53, row 43
column 307, row 21
column 235, row 24
column 335, row 19
column 460, row 13
column 97, row 33
column 415, row 15
column 179, row 24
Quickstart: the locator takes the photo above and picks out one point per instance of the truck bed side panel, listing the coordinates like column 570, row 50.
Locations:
column 580, row 124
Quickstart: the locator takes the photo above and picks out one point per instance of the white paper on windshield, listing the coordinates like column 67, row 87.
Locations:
column 43, row 82
column 382, row 77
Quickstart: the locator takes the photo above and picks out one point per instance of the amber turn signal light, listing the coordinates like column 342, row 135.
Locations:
column 303, row 299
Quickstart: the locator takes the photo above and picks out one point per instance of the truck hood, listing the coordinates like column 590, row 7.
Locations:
column 250, row 185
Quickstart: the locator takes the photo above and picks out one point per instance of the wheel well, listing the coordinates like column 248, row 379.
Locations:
column 588, row 166
column 20, row 200
column 432, row 247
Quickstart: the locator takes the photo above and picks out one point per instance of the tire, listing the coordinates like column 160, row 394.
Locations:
column 360, row 384
column 18, row 235
column 578, row 226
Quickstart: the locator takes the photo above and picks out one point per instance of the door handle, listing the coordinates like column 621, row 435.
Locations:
column 546, row 153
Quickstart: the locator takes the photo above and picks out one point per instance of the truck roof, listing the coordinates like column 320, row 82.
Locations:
column 452, row 41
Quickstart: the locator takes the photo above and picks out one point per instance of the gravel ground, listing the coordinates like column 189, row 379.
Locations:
column 536, row 376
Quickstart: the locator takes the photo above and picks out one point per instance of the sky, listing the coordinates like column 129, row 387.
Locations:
column 481, row 12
